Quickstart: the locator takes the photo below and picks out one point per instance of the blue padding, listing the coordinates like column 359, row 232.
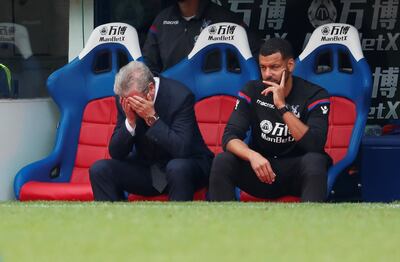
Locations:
column 379, row 168
column 387, row 141
column 222, row 82
column 356, row 86
column 72, row 87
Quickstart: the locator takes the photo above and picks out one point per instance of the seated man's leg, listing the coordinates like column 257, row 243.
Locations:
column 185, row 176
column 223, row 170
column 313, row 172
column 229, row 171
column 110, row 178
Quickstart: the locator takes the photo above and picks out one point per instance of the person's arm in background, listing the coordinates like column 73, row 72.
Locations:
column 254, row 39
column 255, row 42
column 151, row 51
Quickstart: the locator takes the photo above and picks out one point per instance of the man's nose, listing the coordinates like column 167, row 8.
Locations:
column 267, row 72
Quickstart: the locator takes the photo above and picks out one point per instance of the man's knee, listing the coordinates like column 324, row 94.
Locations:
column 179, row 171
column 221, row 184
column 315, row 164
column 224, row 161
column 221, row 166
column 99, row 169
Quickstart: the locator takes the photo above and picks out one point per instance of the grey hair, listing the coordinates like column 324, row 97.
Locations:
column 133, row 76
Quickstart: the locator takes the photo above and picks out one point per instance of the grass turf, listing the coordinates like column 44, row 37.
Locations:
column 198, row 231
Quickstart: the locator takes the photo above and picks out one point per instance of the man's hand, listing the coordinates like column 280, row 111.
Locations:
column 278, row 91
column 129, row 112
column 144, row 108
column 262, row 168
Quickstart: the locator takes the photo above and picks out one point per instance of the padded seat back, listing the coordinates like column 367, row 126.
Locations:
column 340, row 127
column 219, row 65
column 98, row 122
column 83, row 91
column 334, row 60
column 77, row 88
column 212, row 114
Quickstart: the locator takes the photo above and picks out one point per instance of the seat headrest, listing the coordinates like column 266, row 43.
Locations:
column 120, row 33
column 333, row 59
column 92, row 74
column 334, row 33
column 220, row 63
column 228, row 33
column 17, row 35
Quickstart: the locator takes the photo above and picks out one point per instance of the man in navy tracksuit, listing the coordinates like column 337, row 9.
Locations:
column 175, row 30
column 288, row 119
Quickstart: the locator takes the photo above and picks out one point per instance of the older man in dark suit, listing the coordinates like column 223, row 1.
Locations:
column 156, row 146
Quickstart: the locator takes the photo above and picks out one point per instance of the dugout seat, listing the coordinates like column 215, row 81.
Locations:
column 216, row 69
column 83, row 91
column 333, row 59
column 219, row 65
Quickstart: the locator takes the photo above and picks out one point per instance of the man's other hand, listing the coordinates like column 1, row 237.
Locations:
column 143, row 107
column 262, row 168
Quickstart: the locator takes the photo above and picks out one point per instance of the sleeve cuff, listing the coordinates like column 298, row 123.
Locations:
column 311, row 143
column 130, row 129
column 226, row 140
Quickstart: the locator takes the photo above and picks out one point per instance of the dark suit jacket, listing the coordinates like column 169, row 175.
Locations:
column 175, row 135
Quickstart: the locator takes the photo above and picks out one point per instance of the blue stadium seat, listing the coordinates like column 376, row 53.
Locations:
column 83, row 91
column 219, row 65
column 334, row 60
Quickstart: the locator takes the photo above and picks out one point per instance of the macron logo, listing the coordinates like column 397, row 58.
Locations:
column 324, row 110
column 174, row 22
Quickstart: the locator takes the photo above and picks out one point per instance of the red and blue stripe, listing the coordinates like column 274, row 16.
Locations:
column 153, row 29
column 317, row 103
column 245, row 97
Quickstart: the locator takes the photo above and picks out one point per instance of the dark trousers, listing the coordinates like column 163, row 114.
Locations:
column 304, row 176
column 110, row 178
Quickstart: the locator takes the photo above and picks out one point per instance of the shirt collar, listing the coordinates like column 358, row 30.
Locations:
column 156, row 86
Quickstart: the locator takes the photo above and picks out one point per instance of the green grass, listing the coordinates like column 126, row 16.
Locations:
column 59, row 231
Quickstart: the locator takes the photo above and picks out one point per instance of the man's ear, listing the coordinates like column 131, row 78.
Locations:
column 291, row 65
column 152, row 89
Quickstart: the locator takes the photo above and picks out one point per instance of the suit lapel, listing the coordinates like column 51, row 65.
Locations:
column 148, row 148
column 162, row 101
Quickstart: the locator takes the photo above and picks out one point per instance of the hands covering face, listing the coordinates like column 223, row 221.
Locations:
column 129, row 112
column 134, row 106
